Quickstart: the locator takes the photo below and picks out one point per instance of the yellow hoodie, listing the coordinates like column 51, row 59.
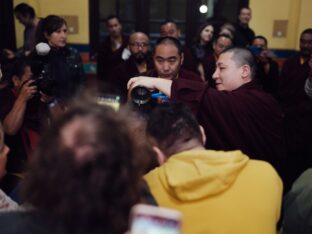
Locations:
column 219, row 192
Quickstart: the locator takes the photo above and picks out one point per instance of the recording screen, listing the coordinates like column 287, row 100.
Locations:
column 143, row 224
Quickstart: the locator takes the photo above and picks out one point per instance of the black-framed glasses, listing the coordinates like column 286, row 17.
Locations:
column 138, row 45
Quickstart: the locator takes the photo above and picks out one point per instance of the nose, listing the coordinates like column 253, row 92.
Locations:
column 215, row 75
column 166, row 66
column 6, row 149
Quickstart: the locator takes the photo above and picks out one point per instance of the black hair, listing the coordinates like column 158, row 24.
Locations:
column 169, row 21
column 18, row 68
column 108, row 18
column 261, row 37
column 223, row 35
column 243, row 7
column 48, row 25
column 242, row 56
column 172, row 125
column 200, row 29
column 306, row 31
column 171, row 41
column 25, row 10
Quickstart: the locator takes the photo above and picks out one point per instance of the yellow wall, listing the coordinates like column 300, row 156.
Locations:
column 297, row 12
column 43, row 8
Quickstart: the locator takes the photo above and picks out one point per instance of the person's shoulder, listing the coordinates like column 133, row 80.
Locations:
column 189, row 75
column 72, row 50
column 263, row 169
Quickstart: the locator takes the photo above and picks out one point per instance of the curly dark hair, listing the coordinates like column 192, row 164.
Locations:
column 89, row 191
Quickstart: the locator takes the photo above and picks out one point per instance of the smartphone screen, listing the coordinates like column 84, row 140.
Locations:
column 109, row 100
column 155, row 222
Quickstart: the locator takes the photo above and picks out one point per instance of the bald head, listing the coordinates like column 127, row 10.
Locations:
column 138, row 46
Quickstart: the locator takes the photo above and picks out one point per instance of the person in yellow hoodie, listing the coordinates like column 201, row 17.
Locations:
column 216, row 191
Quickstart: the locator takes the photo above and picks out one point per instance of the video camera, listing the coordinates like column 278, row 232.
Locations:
column 145, row 100
column 42, row 76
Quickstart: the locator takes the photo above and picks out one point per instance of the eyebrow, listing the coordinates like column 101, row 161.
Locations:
column 166, row 58
column 219, row 63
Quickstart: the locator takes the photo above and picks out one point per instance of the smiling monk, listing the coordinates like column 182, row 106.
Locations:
column 238, row 114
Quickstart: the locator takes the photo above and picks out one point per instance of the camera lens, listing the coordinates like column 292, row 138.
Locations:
column 140, row 95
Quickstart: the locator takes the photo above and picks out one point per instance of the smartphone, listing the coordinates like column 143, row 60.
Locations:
column 147, row 219
column 109, row 100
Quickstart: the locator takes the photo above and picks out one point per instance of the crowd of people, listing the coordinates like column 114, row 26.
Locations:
column 218, row 130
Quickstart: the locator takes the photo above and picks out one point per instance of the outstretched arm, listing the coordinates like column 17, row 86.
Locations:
column 163, row 85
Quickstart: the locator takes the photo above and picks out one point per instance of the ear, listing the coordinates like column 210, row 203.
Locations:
column 46, row 35
column 161, row 157
column 202, row 131
column 182, row 58
column 214, row 46
column 246, row 71
column 179, row 33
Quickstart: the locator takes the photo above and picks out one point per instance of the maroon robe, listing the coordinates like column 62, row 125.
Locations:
column 297, row 107
column 183, row 74
column 247, row 118
column 108, row 59
column 189, row 62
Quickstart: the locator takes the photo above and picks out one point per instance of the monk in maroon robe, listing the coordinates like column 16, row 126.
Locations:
column 168, row 58
column 237, row 114
column 297, row 106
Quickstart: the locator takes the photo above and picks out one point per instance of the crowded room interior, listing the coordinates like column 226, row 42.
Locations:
column 155, row 117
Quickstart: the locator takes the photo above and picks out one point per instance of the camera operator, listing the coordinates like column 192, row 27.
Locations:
column 24, row 112
column 61, row 69
column 267, row 69
column 168, row 58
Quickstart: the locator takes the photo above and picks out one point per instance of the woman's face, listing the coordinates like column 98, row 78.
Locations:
column 58, row 38
column 206, row 34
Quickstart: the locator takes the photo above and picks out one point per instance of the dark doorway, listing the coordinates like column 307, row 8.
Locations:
column 7, row 29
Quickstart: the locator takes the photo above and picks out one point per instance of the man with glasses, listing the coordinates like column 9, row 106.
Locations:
column 138, row 62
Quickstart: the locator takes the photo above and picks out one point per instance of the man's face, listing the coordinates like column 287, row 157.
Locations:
column 138, row 46
column 244, row 16
column 306, row 45
column 228, row 76
column 260, row 43
column 25, row 77
column 24, row 20
column 221, row 44
column 170, row 30
column 167, row 61
column 114, row 27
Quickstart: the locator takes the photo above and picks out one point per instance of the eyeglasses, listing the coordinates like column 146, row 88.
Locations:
column 138, row 45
